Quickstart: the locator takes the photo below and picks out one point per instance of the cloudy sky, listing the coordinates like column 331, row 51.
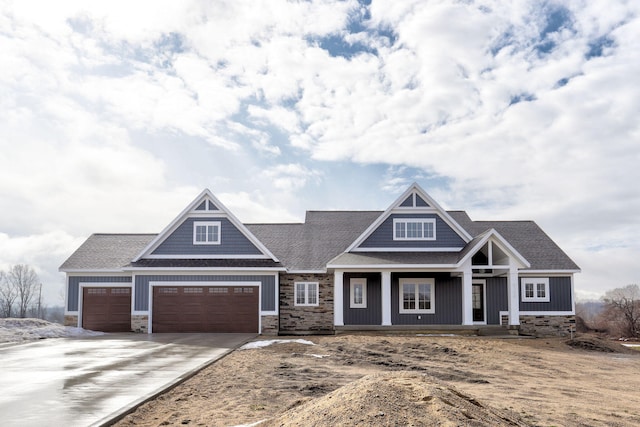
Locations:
column 115, row 115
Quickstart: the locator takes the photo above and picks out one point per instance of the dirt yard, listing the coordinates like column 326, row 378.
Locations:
column 409, row 380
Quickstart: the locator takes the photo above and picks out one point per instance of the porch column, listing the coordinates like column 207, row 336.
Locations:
column 467, row 294
column 513, row 295
column 386, row 298
column 338, row 298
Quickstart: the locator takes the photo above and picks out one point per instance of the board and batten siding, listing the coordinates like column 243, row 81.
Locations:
column 448, row 301
column 74, row 286
column 382, row 237
column 496, row 299
column 559, row 297
column 232, row 241
column 268, row 284
column 372, row 314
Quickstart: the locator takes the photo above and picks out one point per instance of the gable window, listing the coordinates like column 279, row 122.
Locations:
column 417, row 296
column 306, row 293
column 414, row 229
column 206, row 233
column 535, row 289
column 358, row 293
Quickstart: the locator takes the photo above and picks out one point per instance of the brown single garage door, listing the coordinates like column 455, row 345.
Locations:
column 106, row 309
column 205, row 309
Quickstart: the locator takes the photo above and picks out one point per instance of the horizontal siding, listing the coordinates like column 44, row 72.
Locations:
column 382, row 237
column 232, row 241
column 560, row 298
column 372, row 315
column 448, row 301
column 74, row 286
column 268, row 302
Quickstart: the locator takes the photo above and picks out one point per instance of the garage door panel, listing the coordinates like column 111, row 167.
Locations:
column 106, row 309
column 205, row 309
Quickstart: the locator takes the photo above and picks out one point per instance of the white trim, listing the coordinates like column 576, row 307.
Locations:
column 447, row 249
column 524, row 273
column 535, row 281
column 185, row 271
column 188, row 212
column 417, row 281
column 421, row 221
column 386, row 297
column 306, row 271
column 396, row 267
column 207, row 224
column 482, row 282
column 306, row 302
column 510, row 251
column 82, row 285
column 197, row 256
column 338, row 298
column 540, row 313
column 203, row 284
column 353, row 282
column 414, row 188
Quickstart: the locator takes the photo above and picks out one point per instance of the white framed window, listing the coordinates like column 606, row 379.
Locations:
column 417, row 296
column 206, row 233
column 306, row 293
column 358, row 293
column 414, row 229
column 535, row 289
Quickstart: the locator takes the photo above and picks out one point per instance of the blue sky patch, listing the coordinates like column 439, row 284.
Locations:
column 597, row 47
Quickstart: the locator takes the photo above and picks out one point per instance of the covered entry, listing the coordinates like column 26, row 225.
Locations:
column 106, row 309
column 204, row 308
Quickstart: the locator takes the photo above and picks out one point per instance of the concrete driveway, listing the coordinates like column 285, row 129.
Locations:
column 88, row 381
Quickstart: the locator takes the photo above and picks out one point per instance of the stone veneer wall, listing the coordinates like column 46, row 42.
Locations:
column 269, row 325
column 306, row 319
column 140, row 323
column 71, row 320
column 541, row 326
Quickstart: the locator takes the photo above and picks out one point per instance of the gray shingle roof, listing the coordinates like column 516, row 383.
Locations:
column 107, row 251
column 322, row 237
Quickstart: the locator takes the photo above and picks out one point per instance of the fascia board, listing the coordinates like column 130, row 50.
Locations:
column 395, row 207
column 506, row 246
column 222, row 210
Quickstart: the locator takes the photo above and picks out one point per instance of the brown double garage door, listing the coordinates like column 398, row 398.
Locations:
column 205, row 309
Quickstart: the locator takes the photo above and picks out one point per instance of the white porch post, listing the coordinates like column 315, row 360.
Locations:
column 513, row 295
column 338, row 298
column 386, row 298
column 467, row 297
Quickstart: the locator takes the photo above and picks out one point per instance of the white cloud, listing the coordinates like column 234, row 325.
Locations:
column 115, row 115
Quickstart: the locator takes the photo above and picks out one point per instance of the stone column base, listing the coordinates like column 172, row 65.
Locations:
column 140, row 323
column 71, row 320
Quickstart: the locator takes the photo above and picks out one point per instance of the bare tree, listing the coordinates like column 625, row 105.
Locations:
column 623, row 308
column 8, row 295
column 25, row 282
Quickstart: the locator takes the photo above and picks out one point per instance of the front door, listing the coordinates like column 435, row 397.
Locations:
column 478, row 302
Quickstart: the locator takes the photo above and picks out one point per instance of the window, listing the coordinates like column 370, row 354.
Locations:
column 417, row 296
column 206, row 233
column 306, row 293
column 358, row 292
column 414, row 229
column 535, row 289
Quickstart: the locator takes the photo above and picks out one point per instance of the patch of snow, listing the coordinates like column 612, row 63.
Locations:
column 436, row 335
column 266, row 343
column 631, row 345
column 19, row 330
column 319, row 356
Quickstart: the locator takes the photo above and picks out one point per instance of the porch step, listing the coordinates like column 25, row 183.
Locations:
column 492, row 331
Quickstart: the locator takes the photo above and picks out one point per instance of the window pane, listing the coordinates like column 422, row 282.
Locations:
column 408, row 296
column 201, row 233
column 357, row 293
column 428, row 230
column 424, row 297
column 400, row 233
column 541, row 290
column 300, row 294
column 414, row 230
column 312, row 293
column 528, row 290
